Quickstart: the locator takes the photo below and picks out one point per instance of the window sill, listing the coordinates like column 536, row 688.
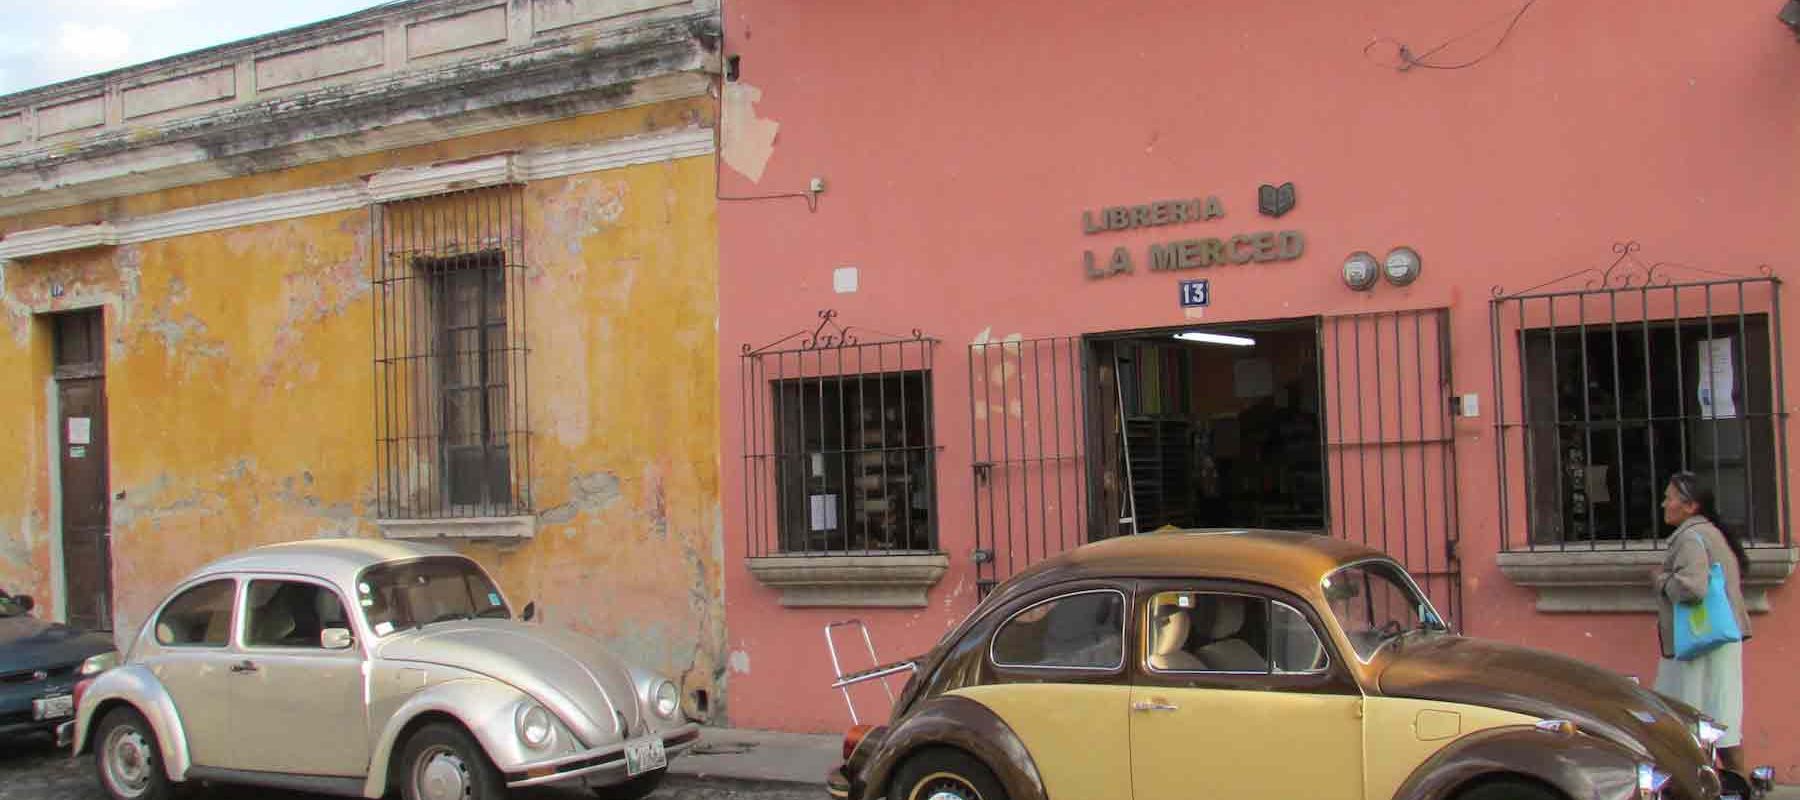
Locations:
column 872, row 581
column 1591, row 581
column 465, row 529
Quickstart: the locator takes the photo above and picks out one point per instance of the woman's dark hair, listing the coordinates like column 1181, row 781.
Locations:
column 1694, row 490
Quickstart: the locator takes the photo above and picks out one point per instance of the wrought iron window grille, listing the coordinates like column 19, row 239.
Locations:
column 839, row 443
column 451, row 404
column 1609, row 379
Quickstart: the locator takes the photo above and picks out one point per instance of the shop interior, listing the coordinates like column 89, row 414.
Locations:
column 1211, row 427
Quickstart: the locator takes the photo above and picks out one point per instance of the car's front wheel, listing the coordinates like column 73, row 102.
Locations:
column 130, row 763
column 443, row 762
column 943, row 774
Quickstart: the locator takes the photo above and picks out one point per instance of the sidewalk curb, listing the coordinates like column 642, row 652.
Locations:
column 760, row 757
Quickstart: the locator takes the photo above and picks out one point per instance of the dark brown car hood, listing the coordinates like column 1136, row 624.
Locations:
column 1455, row 669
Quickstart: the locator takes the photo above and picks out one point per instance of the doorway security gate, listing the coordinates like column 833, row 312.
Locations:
column 1052, row 472
column 1390, row 446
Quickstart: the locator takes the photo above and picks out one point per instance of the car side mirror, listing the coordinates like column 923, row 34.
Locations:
column 336, row 638
column 529, row 612
column 25, row 601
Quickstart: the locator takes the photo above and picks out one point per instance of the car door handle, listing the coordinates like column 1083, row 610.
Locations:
column 244, row 666
column 1153, row 705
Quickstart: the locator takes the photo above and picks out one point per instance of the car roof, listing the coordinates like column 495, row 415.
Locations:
column 1291, row 560
column 337, row 560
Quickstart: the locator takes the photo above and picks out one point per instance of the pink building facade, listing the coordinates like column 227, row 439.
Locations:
column 1096, row 270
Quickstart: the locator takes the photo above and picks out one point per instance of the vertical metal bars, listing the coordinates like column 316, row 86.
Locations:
column 451, row 414
column 1391, row 456
column 1681, row 375
column 839, row 444
column 1028, row 445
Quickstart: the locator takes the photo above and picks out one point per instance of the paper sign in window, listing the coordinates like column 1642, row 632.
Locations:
column 1717, row 375
column 824, row 512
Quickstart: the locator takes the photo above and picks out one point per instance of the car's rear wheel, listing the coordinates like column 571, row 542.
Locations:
column 635, row 789
column 943, row 774
column 130, row 763
column 1508, row 789
column 442, row 762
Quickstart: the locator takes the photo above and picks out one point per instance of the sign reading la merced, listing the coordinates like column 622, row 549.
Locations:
column 1182, row 254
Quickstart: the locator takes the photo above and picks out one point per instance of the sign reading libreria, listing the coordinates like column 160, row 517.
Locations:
column 1181, row 254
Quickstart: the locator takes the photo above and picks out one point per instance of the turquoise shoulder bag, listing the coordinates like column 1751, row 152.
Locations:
column 1700, row 627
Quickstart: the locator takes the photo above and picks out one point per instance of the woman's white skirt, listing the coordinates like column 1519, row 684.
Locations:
column 1713, row 683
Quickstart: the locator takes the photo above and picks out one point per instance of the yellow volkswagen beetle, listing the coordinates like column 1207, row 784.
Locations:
column 1258, row 664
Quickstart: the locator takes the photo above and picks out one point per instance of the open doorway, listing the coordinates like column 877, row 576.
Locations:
column 1209, row 426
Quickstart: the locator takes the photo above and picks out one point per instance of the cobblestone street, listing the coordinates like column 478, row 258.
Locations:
column 33, row 769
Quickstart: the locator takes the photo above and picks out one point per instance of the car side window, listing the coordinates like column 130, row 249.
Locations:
column 1208, row 632
column 1294, row 646
column 199, row 616
column 290, row 614
column 1085, row 630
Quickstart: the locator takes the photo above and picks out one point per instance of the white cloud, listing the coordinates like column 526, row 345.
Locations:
column 98, row 44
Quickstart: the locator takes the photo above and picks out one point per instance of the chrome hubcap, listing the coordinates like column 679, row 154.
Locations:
column 441, row 775
column 127, row 761
column 946, row 794
column 944, row 786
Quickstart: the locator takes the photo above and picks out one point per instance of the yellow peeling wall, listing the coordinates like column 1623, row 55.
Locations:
column 240, row 386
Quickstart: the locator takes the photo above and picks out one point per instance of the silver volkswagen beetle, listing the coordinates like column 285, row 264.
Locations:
column 357, row 667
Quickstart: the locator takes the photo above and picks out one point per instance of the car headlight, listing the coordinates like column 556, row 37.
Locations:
column 535, row 726
column 667, row 700
column 1650, row 782
column 1709, row 733
column 95, row 665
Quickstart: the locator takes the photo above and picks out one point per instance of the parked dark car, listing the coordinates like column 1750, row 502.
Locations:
column 1261, row 664
column 40, row 663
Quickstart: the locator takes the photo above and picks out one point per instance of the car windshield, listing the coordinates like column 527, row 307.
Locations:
column 414, row 594
column 1376, row 603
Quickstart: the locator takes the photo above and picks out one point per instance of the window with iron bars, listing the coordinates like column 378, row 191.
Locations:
column 450, row 357
column 1626, row 381
column 840, row 449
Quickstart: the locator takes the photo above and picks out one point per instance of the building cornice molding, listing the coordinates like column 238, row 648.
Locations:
column 672, row 58
column 402, row 183
column 58, row 239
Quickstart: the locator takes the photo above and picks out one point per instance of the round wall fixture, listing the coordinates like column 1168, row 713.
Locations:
column 1401, row 266
column 1360, row 271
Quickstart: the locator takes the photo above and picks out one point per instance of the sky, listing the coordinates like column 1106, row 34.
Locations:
column 46, row 41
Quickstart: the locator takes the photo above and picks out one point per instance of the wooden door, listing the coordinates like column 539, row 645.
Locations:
column 82, row 450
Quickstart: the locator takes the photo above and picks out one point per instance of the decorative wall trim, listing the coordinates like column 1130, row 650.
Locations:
column 649, row 149
column 403, row 183
column 407, row 183
column 59, row 239
column 874, row 581
column 518, row 528
column 1595, row 581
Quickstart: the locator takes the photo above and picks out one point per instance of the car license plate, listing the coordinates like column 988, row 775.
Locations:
column 644, row 755
column 56, row 706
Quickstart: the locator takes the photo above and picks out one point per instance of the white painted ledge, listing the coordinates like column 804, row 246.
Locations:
column 1618, row 580
column 872, row 581
column 515, row 529
column 61, row 238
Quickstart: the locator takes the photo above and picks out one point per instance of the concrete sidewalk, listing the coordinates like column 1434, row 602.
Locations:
column 773, row 757
column 769, row 756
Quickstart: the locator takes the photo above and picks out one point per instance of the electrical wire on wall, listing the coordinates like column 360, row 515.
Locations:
column 1405, row 59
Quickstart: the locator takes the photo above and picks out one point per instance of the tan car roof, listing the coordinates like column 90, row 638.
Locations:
column 1286, row 559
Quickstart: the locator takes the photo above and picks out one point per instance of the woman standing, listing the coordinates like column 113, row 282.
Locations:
column 1712, row 682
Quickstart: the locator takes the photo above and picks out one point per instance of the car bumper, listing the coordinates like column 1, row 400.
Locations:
column 600, row 766
column 65, row 734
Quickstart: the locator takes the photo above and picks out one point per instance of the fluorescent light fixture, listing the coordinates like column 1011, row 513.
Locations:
column 1215, row 338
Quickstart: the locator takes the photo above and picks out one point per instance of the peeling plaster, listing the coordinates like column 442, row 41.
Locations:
column 589, row 493
column 740, row 662
column 749, row 141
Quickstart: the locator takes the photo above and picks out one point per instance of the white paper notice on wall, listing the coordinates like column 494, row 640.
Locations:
column 824, row 512
column 1716, row 375
column 81, row 430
